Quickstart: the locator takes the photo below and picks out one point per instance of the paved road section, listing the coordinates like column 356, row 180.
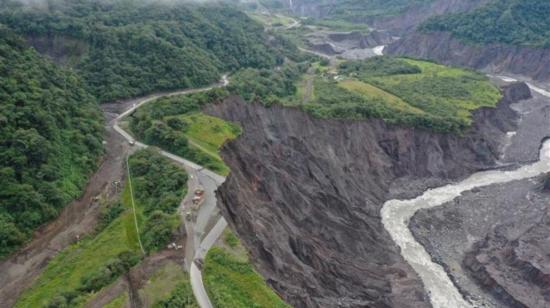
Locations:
column 198, row 177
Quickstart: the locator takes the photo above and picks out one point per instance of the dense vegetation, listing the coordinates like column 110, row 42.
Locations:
column 267, row 85
column 400, row 91
column 168, row 287
column 182, row 296
column 353, row 10
column 231, row 281
column 515, row 22
column 174, row 124
column 50, row 140
column 159, row 185
column 404, row 91
column 136, row 47
column 84, row 268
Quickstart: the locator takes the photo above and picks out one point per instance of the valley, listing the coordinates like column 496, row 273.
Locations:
column 276, row 154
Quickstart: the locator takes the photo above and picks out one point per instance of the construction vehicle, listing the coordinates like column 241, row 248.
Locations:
column 198, row 196
column 199, row 192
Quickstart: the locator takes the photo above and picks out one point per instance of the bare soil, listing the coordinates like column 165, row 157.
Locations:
column 77, row 219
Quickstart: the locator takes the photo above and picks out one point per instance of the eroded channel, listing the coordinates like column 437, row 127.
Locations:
column 396, row 215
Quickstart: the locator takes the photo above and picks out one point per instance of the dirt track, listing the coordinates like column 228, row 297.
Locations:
column 78, row 218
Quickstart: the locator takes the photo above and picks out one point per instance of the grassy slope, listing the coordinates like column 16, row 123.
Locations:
column 429, row 97
column 65, row 271
column 208, row 134
column 271, row 19
column 372, row 92
column 232, row 282
column 339, row 25
column 119, row 302
column 441, row 90
column 162, row 283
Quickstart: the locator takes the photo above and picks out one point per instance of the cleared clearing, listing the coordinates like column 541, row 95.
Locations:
column 372, row 92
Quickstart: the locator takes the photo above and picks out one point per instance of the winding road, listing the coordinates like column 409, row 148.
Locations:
column 198, row 177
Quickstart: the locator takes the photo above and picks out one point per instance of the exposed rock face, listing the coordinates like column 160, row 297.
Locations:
column 346, row 43
column 405, row 22
column 513, row 263
column 440, row 46
column 493, row 241
column 305, row 194
column 409, row 20
column 488, row 242
column 60, row 49
column 356, row 39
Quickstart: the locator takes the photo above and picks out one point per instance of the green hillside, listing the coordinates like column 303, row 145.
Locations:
column 177, row 125
column 401, row 91
column 432, row 96
column 514, row 22
column 79, row 271
column 50, row 140
column 129, row 48
column 230, row 278
column 352, row 10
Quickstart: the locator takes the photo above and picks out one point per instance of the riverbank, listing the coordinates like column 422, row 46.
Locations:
column 453, row 232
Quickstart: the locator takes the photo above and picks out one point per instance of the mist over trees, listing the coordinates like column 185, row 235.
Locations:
column 513, row 22
column 132, row 48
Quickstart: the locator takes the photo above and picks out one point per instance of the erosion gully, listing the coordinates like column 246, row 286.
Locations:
column 396, row 215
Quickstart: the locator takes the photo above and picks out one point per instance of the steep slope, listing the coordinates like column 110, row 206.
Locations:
column 503, row 36
column 305, row 194
column 50, row 139
column 496, row 58
column 399, row 16
column 493, row 240
column 128, row 48
column 511, row 22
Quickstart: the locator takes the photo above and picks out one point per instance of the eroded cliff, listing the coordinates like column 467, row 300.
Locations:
column 496, row 58
column 305, row 194
column 493, row 241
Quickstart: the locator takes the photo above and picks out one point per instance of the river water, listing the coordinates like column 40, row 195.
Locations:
column 396, row 215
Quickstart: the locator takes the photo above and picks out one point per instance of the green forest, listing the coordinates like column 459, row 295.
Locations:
column 355, row 10
column 407, row 92
column 162, row 123
column 269, row 86
column 51, row 132
column 400, row 91
column 50, row 139
column 514, row 22
column 77, row 273
column 159, row 185
column 130, row 48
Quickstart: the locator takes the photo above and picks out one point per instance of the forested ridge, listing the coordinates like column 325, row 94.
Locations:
column 51, row 126
column 514, row 22
column 401, row 91
column 353, row 10
column 50, row 139
column 137, row 47
column 159, row 186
